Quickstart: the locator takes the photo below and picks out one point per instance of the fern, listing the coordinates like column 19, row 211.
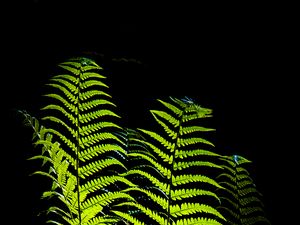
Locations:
column 169, row 166
column 241, row 201
column 83, row 153
column 102, row 173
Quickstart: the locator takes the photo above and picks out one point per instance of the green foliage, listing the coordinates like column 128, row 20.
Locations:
column 173, row 165
column 104, row 173
column 241, row 201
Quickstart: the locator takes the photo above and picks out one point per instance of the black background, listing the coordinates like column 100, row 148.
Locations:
column 232, row 59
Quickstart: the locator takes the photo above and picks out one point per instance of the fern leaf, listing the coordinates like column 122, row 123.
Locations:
column 240, row 198
column 184, row 165
column 180, row 194
column 102, row 182
column 181, row 142
column 192, row 153
column 80, row 147
column 185, row 179
column 97, row 166
column 172, row 108
column 168, row 145
column 193, row 129
column 174, row 156
column 104, row 199
column 192, row 208
column 164, row 156
column 197, row 221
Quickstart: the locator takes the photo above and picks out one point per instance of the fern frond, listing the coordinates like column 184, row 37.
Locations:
column 255, row 220
column 180, row 194
column 188, row 178
column 92, row 116
column 181, row 142
column 103, row 182
column 63, row 111
column 192, row 153
column 171, row 107
column 90, row 94
column 195, row 221
column 161, row 154
column 193, row 129
column 167, row 144
column 104, row 199
column 92, row 128
column 69, row 90
column 178, row 154
column 192, row 208
column 97, row 166
column 184, row 165
column 82, row 150
column 166, row 116
column 240, row 198
column 97, row 150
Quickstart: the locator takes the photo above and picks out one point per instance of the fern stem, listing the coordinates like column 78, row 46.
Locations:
column 238, row 200
column 78, row 150
column 170, row 181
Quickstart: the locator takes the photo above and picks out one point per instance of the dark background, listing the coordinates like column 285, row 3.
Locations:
column 232, row 59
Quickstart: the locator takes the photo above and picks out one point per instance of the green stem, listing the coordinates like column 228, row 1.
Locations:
column 238, row 200
column 172, row 169
column 77, row 153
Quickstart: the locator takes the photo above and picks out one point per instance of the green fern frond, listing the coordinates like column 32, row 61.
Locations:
column 71, row 118
column 104, row 174
column 83, row 148
column 240, row 199
column 193, row 129
column 187, row 178
column 255, row 220
column 104, row 199
column 92, row 128
column 177, row 111
column 184, row 165
column 92, row 116
column 90, row 94
column 166, row 116
column 167, row 144
column 69, row 89
column 180, row 194
column 161, row 154
column 192, row 208
column 193, row 153
column 96, row 150
column 102, row 182
column 181, row 142
column 195, row 221
column 175, row 152
column 97, row 166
